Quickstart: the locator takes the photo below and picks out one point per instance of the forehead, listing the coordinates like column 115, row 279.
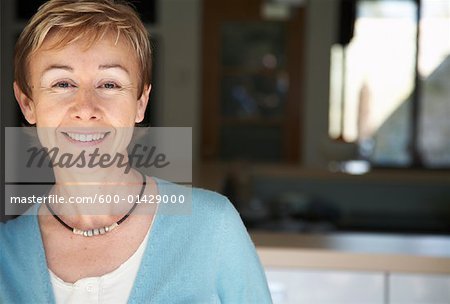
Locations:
column 84, row 49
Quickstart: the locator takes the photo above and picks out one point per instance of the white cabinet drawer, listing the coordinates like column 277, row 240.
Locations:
column 289, row 286
column 419, row 289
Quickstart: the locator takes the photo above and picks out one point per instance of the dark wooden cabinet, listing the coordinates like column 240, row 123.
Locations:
column 252, row 82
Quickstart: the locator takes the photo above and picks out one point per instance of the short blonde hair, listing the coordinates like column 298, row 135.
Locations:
column 76, row 19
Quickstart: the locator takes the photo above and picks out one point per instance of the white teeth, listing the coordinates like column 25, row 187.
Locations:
column 86, row 137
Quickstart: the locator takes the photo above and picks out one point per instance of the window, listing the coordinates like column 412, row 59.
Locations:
column 390, row 84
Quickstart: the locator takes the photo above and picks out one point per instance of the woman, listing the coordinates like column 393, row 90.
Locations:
column 82, row 77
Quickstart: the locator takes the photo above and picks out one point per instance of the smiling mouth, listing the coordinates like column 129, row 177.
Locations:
column 86, row 138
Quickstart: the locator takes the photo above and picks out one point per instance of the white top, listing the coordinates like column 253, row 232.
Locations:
column 113, row 287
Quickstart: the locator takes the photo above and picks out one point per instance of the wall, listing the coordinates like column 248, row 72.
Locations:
column 180, row 29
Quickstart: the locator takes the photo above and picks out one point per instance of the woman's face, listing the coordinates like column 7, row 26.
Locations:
column 83, row 96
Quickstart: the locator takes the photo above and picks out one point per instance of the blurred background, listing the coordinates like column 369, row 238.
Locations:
column 315, row 117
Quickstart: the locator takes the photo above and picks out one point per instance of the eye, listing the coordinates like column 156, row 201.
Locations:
column 110, row 85
column 63, row 85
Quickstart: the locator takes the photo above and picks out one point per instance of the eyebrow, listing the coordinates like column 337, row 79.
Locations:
column 58, row 67
column 113, row 66
column 100, row 67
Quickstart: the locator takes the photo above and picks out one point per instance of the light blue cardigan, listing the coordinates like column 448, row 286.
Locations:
column 204, row 257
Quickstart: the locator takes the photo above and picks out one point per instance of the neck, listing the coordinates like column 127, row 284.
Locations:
column 92, row 200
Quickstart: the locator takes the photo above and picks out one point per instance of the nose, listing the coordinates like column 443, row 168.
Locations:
column 86, row 107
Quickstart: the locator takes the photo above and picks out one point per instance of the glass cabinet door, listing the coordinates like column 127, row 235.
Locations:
column 253, row 89
column 252, row 82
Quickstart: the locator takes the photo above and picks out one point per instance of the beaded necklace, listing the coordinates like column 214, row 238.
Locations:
column 105, row 229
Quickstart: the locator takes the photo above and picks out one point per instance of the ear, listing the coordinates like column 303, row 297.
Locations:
column 142, row 103
column 26, row 104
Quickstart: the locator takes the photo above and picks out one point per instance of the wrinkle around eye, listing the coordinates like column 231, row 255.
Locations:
column 117, row 89
column 57, row 90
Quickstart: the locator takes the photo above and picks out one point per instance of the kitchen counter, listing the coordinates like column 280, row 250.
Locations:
column 355, row 251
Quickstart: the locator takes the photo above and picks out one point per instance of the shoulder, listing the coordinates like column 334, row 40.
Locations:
column 11, row 228
column 196, row 202
column 202, row 210
column 14, row 231
column 16, row 239
column 211, row 200
column 22, row 260
column 215, row 207
column 19, row 234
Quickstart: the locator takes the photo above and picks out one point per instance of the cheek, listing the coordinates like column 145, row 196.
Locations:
column 48, row 115
column 122, row 115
